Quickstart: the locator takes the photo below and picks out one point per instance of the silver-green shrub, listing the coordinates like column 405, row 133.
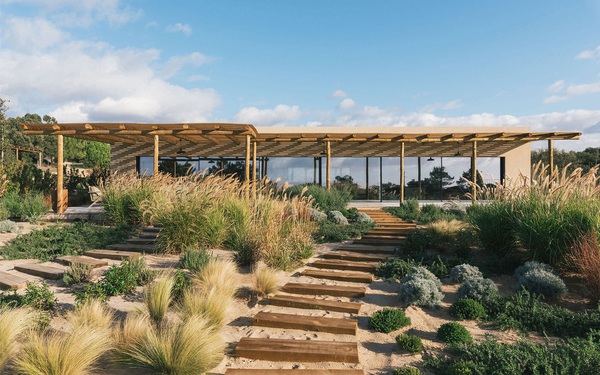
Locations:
column 464, row 272
column 477, row 289
column 422, row 273
column 532, row 265
column 337, row 217
column 8, row 226
column 421, row 292
column 317, row 216
column 361, row 217
column 539, row 281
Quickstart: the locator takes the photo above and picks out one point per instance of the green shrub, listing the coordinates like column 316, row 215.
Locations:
column 408, row 210
column 125, row 278
column 454, row 333
column 407, row 371
column 39, row 296
column 478, row 289
column 91, row 291
column 388, row 320
column 467, row 309
column 194, row 259
column 421, row 272
column 54, row 241
column 329, row 232
column 77, row 273
column 396, row 268
column 464, row 272
column 532, row 265
column 10, row 299
column 182, row 283
column 421, row 292
column 7, row 226
column 337, row 217
column 4, row 214
column 12, row 203
column 33, row 207
column 409, row 343
column 361, row 217
column 542, row 282
column 317, row 216
column 324, row 200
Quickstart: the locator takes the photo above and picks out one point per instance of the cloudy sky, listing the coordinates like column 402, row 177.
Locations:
column 310, row 62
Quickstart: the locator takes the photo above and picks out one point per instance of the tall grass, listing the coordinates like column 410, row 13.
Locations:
column 265, row 280
column 13, row 322
column 541, row 217
column 326, row 200
column 206, row 303
column 92, row 314
column 585, row 258
column 219, row 274
column 158, row 297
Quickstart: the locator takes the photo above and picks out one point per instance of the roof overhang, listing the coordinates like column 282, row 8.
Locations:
column 223, row 139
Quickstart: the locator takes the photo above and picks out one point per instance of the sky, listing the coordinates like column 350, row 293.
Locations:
column 317, row 63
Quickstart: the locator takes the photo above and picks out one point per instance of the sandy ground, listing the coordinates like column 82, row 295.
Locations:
column 378, row 352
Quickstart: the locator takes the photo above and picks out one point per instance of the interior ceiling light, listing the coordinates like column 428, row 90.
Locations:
column 430, row 159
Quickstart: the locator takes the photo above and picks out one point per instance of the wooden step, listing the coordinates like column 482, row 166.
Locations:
column 141, row 241
column 92, row 262
column 111, row 254
column 368, row 249
column 10, row 281
column 376, row 242
column 344, row 265
column 132, row 247
column 378, row 236
column 341, row 326
column 348, row 276
column 354, row 256
column 314, row 303
column 151, row 230
column 324, row 290
column 148, row 235
column 41, row 270
column 282, row 350
column 242, row 371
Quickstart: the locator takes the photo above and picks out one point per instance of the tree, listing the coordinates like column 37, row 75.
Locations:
column 585, row 159
column 467, row 177
column 437, row 180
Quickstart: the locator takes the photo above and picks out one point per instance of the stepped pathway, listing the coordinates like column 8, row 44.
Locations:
column 17, row 278
column 325, row 298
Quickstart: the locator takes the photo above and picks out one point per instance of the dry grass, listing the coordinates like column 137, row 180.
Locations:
column 191, row 346
column 13, row 322
column 265, row 280
column 218, row 274
column 209, row 304
column 133, row 330
column 158, row 297
column 585, row 257
column 447, row 228
column 91, row 314
column 50, row 353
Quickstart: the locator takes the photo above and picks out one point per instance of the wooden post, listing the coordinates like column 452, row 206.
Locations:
column 474, row 172
column 401, row 190
column 328, row 174
column 254, row 170
column 155, row 165
column 380, row 179
column 247, row 166
column 551, row 156
column 60, row 178
column 16, row 153
column 367, row 177
column 39, row 160
column 419, row 177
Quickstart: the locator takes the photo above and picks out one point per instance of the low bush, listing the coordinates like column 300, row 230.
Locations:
column 542, row 282
column 323, row 199
column 54, row 241
column 478, row 289
column 407, row 371
column 126, row 277
column 454, row 333
column 467, row 309
column 194, row 259
column 578, row 356
column 91, row 292
column 13, row 323
column 396, row 268
column 337, row 217
column 8, row 226
column 388, row 320
column 409, row 210
column 421, row 272
column 77, row 273
column 361, row 217
column 464, row 272
column 182, row 283
column 317, row 216
column 532, row 265
column 421, row 292
column 265, row 280
column 330, row 232
column 409, row 343
column 33, row 207
column 39, row 296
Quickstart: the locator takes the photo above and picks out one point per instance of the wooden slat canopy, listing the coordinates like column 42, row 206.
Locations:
column 223, row 139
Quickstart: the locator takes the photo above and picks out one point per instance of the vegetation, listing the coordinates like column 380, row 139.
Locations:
column 77, row 273
column 91, row 315
column 478, row 289
column 13, row 323
column 421, row 292
column 55, row 241
column 464, row 272
column 324, row 200
column 454, row 333
column 158, row 297
column 194, row 259
column 586, row 159
column 409, row 343
column 39, row 296
column 585, row 258
column 407, row 371
column 542, row 282
column 388, row 320
column 530, row 266
column 409, row 210
column 467, row 309
column 330, row 232
column 265, row 280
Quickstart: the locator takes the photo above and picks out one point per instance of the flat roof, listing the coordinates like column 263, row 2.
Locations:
column 224, row 139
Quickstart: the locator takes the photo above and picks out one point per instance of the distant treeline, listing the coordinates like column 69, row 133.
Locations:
column 585, row 159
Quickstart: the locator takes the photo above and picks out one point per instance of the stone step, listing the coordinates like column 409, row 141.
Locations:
column 367, row 249
column 314, row 304
column 324, row 290
column 41, row 270
column 343, row 326
column 281, row 350
column 348, row 276
column 10, row 281
column 357, row 257
column 111, row 254
column 344, row 265
column 241, row 371
column 141, row 241
column 92, row 262
column 133, row 247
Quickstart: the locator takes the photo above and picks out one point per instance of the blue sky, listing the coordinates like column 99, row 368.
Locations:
column 328, row 63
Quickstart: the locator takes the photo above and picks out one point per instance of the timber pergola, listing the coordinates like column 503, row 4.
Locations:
column 245, row 140
column 27, row 149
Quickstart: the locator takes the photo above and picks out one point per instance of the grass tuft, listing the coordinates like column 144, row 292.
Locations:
column 220, row 274
column 158, row 297
column 209, row 304
column 265, row 280
column 91, row 314
column 13, row 322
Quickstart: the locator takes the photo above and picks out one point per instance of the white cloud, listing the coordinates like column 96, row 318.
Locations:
column 280, row 115
column 589, row 54
column 583, row 89
column 556, row 86
column 453, row 104
column 346, row 104
column 338, row 94
column 31, row 33
column 175, row 63
column 184, row 28
column 555, row 99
